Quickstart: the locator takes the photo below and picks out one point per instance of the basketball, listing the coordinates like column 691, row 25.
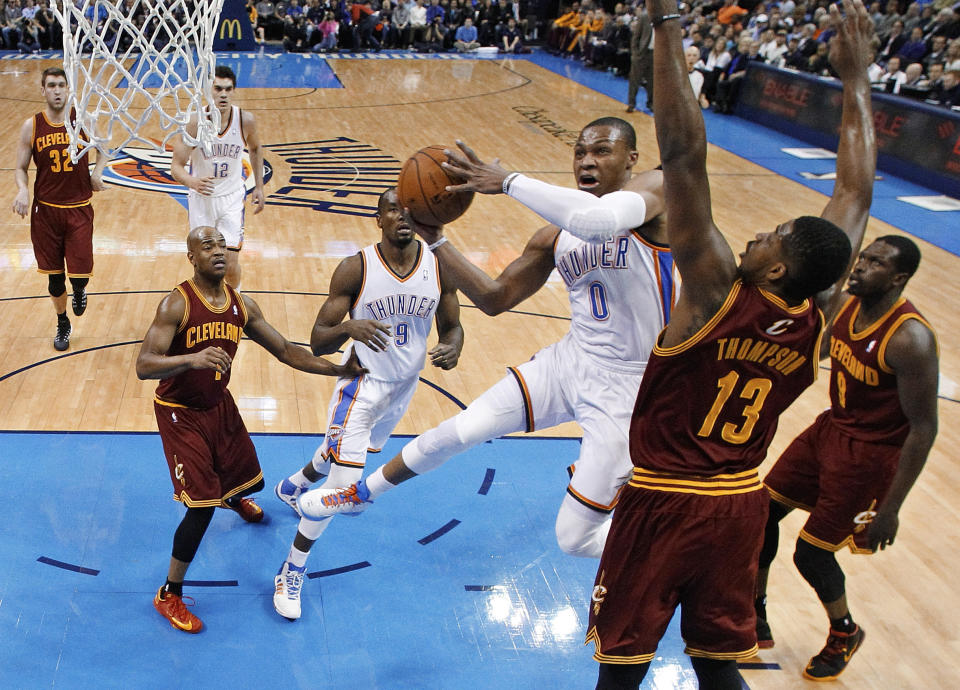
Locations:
column 422, row 188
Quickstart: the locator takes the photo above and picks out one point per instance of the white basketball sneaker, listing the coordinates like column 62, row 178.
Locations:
column 320, row 504
column 288, row 492
column 286, row 596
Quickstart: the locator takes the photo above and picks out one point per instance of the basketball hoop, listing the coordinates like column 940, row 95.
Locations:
column 134, row 62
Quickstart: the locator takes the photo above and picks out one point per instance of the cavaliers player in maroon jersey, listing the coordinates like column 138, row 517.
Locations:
column 190, row 346
column 852, row 469
column 741, row 345
column 61, row 221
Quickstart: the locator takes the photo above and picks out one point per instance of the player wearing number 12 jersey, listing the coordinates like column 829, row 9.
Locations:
column 215, row 178
column 61, row 220
column 741, row 345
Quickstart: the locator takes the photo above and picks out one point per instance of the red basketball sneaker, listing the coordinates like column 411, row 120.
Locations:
column 834, row 657
column 248, row 510
column 174, row 610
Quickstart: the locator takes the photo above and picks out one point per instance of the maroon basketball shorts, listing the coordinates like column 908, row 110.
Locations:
column 209, row 452
column 667, row 548
column 63, row 234
column 839, row 480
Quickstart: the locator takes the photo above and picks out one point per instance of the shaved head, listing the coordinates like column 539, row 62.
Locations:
column 200, row 233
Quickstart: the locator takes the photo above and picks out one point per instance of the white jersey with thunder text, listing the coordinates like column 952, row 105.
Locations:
column 225, row 162
column 406, row 303
column 617, row 289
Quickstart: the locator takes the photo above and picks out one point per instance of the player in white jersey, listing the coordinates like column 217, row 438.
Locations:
column 392, row 290
column 621, row 289
column 216, row 182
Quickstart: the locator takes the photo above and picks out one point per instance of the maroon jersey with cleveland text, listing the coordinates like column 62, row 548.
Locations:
column 60, row 182
column 203, row 326
column 710, row 405
column 863, row 388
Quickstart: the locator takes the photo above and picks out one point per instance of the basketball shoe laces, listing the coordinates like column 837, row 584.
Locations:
column 177, row 606
column 342, row 497
column 292, row 581
column 836, row 646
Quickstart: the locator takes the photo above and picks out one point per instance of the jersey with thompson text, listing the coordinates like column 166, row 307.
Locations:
column 60, row 181
column 621, row 293
column 406, row 303
column 710, row 405
column 863, row 388
column 224, row 163
column 203, row 326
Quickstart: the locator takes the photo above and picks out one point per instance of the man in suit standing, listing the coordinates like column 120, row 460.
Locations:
column 641, row 59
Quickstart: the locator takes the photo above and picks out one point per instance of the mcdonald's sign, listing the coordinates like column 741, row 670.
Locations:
column 230, row 28
column 233, row 30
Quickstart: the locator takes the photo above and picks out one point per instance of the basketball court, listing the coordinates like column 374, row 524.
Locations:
column 454, row 580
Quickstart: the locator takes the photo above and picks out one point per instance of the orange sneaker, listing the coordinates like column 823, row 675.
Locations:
column 248, row 510
column 174, row 610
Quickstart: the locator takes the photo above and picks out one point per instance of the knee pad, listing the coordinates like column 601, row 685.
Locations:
column 821, row 570
column 56, row 284
column 580, row 531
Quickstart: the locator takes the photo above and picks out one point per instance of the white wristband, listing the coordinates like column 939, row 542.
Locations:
column 506, row 182
column 441, row 241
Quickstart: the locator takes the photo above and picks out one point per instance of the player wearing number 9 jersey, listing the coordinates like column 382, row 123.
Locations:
column 61, row 220
column 741, row 345
column 621, row 286
column 393, row 291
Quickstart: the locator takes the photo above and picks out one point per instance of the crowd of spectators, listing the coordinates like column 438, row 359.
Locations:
column 917, row 54
column 917, row 50
column 429, row 26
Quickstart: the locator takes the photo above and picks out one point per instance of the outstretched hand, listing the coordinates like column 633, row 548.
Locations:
column 486, row 178
column 851, row 50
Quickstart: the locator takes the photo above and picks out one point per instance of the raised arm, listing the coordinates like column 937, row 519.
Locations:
column 912, row 354
column 21, row 202
column 330, row 331
column 267, row 337
column 153, row 361
column 849, row 207
column 249, row 125
column 521, row 278
column 583, row 214
column 704, row 258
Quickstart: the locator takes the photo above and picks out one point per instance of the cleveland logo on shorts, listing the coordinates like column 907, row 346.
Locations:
column 599, row 594
column 864, row 518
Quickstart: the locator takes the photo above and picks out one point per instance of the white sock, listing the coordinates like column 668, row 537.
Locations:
column 377, row 483
column 299, row 479
column 297, row 557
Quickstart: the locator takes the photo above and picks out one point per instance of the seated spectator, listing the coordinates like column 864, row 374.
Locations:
column 949, row 93
column 946, row 23
column 894, row 42
column 774, row 53
column 433, row 37
column 49, row 30
column 885, row 24
column 892, row 76
column 731, row 81
column 465, row 40
column 418, row 23
column 714, row 66
column 915, row 48
column 933, row 81
column 937, row 52
column 401, row 23
column 511, row 40
column 435, row 10
column 912, row 77
column 29, row 37
column 328, row 29
column 294, row 34
column 488, row 20
column 11, row 18
column 952, row 59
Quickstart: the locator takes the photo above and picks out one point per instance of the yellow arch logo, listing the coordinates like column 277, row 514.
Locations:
column 228, row 27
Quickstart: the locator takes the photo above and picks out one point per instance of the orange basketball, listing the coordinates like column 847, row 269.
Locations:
column 422, row 188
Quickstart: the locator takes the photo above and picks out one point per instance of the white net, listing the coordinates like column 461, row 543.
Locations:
column 138, row 71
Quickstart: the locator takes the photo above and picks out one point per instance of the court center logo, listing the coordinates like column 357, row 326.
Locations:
column 341, row 175
column 146, row 169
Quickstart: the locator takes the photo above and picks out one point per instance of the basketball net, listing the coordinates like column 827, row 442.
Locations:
column 133, row 63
